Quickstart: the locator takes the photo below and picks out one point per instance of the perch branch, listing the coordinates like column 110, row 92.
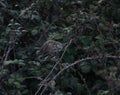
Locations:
column 77, row 62
column 45, row 80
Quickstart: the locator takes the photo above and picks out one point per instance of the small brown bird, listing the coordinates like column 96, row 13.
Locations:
column 50, row 49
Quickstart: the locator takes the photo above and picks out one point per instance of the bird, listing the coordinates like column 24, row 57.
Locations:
column 50, row 49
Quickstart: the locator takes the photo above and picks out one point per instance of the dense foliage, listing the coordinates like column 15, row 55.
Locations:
column 89, row 62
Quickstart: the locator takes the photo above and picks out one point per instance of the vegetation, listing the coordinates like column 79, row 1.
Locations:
column 88, row 32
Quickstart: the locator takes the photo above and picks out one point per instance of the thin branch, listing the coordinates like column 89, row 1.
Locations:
column 75, row 63
column 32, row 77
column 82, row 60
column 5, row 56
column 45, row 80
column 59, row 59
column 8, row 51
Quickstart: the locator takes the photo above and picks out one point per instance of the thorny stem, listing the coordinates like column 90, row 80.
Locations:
column 79, row 61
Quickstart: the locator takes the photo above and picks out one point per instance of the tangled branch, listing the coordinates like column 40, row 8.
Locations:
column 75, row 63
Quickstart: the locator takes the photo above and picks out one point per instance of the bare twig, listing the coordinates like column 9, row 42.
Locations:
column 8, row 51
column 77, row 62
column 8, row 48
column 46, row 78
column 82, row 60
column 59, row 59
column 5, row 56
column 33, row 77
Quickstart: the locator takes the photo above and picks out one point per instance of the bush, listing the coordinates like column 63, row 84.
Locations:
column 89, row 32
